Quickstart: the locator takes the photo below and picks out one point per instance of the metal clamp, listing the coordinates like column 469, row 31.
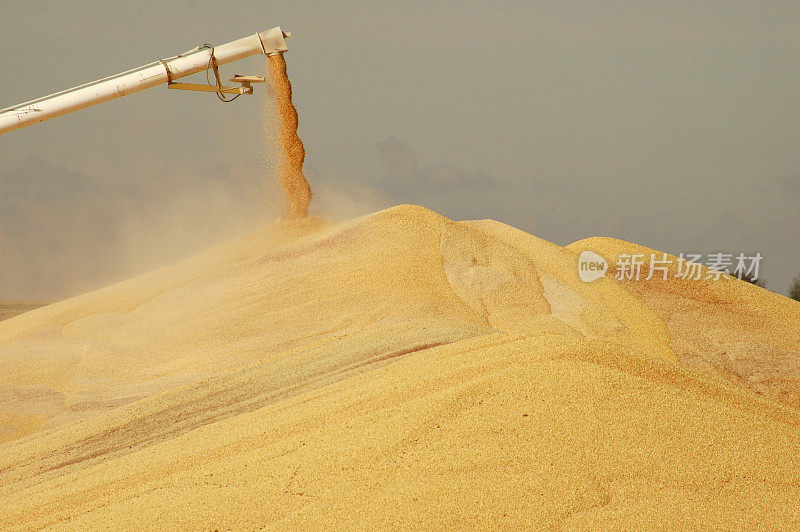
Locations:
column 245, row 81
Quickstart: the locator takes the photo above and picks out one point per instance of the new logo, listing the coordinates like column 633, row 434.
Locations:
column 591, row 266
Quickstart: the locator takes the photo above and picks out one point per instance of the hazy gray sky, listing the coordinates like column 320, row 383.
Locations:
column 671, row 124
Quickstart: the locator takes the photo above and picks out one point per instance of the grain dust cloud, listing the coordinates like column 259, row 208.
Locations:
column 294, row 182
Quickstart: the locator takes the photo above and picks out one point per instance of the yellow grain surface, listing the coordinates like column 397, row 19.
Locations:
column 396, row 370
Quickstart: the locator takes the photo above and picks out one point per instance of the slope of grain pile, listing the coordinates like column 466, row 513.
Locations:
column 400, row 369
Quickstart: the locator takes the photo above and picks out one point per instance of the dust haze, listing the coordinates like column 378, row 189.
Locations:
column 52, row 217
column 59, row 225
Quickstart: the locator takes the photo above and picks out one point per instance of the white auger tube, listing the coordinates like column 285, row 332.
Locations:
column 268, row 42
